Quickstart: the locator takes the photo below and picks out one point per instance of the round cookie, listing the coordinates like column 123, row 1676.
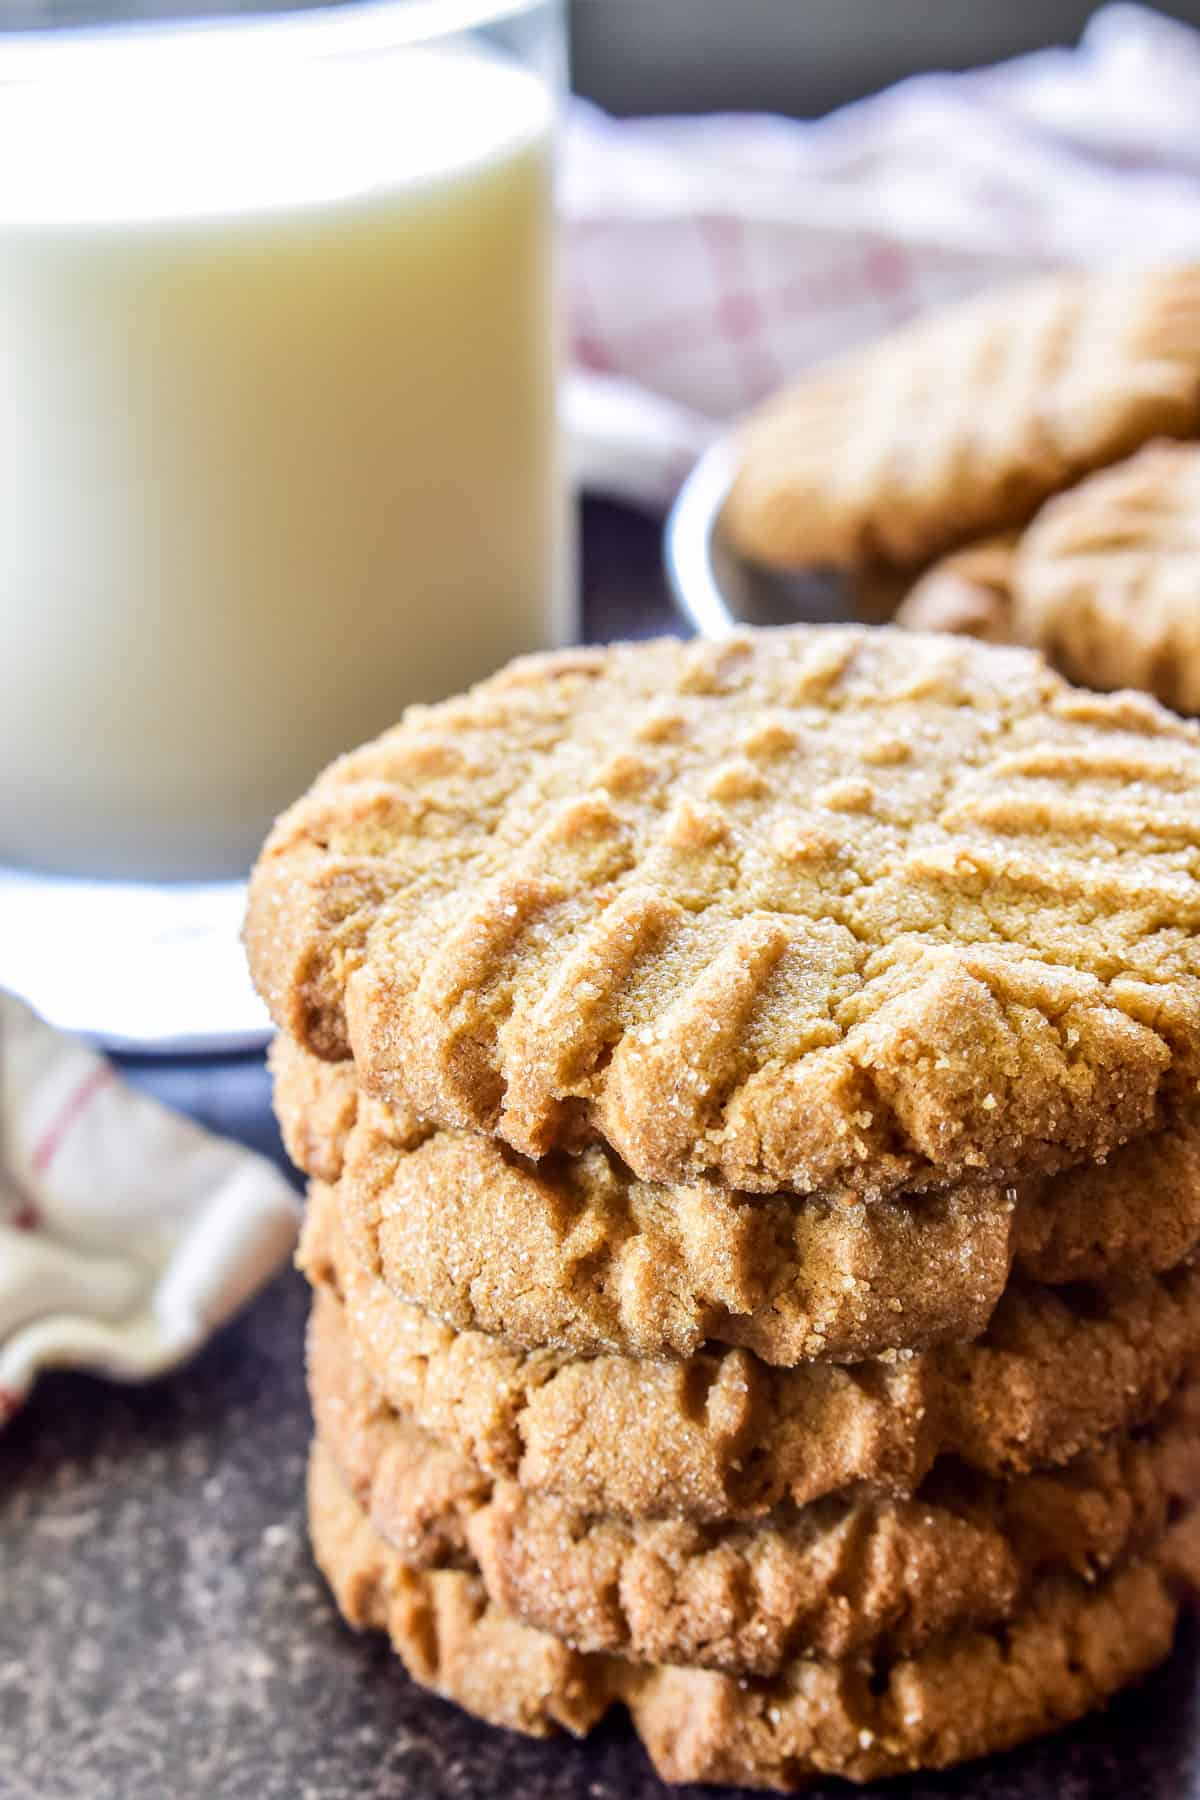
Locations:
column 761, row 911
column 1107, row 578
column 968, row 593
column 964, row 421
column 834, row 1579
column 576, row 1253
column 722, row 1435
column 1073, row 1646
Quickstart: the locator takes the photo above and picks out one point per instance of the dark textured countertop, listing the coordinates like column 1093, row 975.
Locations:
column 164, row 1636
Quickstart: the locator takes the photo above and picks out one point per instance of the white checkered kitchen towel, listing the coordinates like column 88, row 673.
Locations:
column 708, row 259
column 127, row 1233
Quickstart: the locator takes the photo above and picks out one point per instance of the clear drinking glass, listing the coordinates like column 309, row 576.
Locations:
column 278, row 453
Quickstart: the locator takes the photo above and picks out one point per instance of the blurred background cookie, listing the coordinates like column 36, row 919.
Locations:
column 964, row 422
column 1107, row 578
column 968, row 592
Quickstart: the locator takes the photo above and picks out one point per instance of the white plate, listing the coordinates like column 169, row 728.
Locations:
column 134, row 966
column 719, row 590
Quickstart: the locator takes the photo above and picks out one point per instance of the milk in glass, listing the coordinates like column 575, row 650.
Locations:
column 277, row 432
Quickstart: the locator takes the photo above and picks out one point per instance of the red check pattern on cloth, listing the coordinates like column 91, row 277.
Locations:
column 23, row 1213
column 72, row 1109
column 127, row 1234
column 707, row 260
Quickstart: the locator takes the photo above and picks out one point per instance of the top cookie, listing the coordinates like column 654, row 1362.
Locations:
column 965, row 421
column 1107, row 578
column 816, row 909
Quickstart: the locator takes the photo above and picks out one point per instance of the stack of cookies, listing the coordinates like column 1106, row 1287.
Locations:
column 750, row 1095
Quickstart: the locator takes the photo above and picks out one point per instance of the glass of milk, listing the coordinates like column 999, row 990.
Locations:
column 278, row 452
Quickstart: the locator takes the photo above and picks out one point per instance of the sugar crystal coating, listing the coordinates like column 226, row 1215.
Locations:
column 721, row 1435
column 1071, row 1647
column 576, row 1253
column 834, row 1579
column 979, row 962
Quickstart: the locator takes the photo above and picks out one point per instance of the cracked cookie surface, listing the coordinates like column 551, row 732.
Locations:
column 722, row 1435
column 1070, row 1648
column 576, row 1253
column 834, row 1579
column 822, row 910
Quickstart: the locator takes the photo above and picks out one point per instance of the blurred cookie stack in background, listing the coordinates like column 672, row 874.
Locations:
column 749, row 1092
column 989, row 470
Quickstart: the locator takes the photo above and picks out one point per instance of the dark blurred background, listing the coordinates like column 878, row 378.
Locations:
column 799, row 56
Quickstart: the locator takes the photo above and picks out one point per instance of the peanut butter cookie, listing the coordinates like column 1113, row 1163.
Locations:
column 1072, row 1646
column 965, row 421
column 1107, row 578
column 832, row 1579
column 821, row 910
column 968, row 593
column 576, row 1253
column 721, row 1435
